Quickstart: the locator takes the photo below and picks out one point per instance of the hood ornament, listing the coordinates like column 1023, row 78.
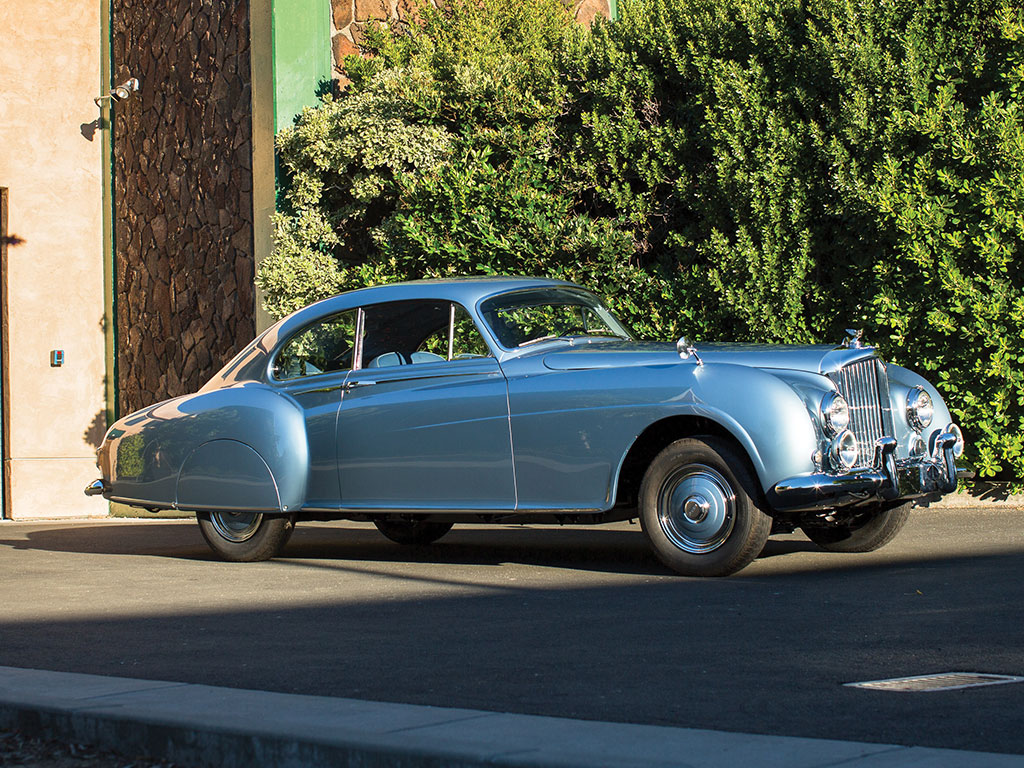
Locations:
column 854, row 340
column 686, row 349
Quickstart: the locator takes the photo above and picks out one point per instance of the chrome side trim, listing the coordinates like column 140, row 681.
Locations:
column 330, row 388
column 451, row 331
column 357, row 352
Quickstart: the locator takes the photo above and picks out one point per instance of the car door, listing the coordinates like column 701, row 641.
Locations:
column 423, row 423
column 311, row 368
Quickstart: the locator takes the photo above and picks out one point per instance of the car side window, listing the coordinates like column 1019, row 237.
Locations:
column 323, row 347
column 466, row 341
column 416, row 332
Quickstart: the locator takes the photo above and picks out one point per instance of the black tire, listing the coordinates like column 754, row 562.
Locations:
column 866, row 533
column 412, row 532
column 698, row 507
column 245, row 537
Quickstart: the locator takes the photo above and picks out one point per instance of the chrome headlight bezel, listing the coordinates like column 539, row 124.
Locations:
column 834, row 412
column 920, row 408
column 844, row 450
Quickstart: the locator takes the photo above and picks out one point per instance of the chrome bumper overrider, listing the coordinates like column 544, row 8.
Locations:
column 887, row 480
column 95, row 488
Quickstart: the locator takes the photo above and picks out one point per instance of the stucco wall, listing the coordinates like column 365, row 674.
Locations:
column 51, row 162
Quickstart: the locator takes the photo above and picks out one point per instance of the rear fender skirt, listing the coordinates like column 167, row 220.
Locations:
column 229, row 475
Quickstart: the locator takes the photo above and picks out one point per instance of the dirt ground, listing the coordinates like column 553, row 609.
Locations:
column 19, row 750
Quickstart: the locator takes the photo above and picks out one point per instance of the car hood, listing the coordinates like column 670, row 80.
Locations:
column 800, row 357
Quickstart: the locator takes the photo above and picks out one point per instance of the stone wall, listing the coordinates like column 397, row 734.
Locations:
column 183, row 194
column 350, row 17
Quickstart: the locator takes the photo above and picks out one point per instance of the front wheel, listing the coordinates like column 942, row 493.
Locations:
column 864, row 533
column 698, row 508
column 245, row 537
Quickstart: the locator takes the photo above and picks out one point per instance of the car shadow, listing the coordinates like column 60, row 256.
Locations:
column 787, row 546
column 615, row 550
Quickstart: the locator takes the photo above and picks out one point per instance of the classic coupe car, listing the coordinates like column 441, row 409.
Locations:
column 516, row 400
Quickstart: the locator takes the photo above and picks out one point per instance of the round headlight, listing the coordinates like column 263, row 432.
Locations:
column 916, row 447
column 844, row 450
column 958, row 446
column 920, row 409
column 835, row 413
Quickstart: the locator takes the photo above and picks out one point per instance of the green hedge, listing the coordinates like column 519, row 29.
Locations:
column 736, row 169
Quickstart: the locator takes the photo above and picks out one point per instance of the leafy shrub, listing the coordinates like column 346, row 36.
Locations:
column 801, row 167
column 772, row 170
column 942, row 88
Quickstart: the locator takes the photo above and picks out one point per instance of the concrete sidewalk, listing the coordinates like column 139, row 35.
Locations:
column 231, row 728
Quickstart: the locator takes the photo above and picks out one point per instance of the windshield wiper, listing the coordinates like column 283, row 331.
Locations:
column 607, row 334
column 539, row 339
column 570, row 337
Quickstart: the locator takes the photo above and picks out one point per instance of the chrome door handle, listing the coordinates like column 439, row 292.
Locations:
column 361, row 383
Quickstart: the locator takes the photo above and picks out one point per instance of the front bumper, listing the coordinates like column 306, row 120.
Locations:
column 888, row 480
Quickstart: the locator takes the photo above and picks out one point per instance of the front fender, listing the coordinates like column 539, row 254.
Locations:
column 762, row 412
column 901, row 381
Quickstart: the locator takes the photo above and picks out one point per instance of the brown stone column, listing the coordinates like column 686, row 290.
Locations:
column 183, row 193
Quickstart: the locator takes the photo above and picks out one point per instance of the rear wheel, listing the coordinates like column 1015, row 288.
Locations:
column 698, row 508
column 245, row 537
column 414, row 532
column 864, row 533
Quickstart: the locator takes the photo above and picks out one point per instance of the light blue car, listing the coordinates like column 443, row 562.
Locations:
column 507, row 400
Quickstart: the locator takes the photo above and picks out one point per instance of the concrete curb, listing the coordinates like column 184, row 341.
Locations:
column 233, row 728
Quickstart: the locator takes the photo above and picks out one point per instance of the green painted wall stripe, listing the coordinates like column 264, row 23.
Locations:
column 261, row 55
column 109, row 254
column 302, row 56
column 613, row 9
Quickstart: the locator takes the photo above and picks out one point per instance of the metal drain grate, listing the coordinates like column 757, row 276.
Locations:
column 943, row 681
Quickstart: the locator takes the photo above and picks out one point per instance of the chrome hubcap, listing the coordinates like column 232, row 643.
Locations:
column 696, row 508
column 236, row 526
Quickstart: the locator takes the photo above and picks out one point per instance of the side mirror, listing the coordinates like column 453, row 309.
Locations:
column 686, row 349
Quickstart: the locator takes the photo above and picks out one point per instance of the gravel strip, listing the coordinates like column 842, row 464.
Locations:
column 19, row 750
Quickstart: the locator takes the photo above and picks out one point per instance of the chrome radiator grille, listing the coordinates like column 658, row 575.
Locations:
column 865, row 388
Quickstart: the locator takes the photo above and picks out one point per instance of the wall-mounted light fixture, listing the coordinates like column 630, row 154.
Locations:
column 122, row 92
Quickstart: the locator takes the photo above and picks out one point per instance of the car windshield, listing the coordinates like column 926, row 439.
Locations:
column 521, row 318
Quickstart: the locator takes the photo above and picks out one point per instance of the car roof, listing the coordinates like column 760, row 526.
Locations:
column 465, row 290
column 468, row 291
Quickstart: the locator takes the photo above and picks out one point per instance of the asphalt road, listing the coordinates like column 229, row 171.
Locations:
column 575, row 622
